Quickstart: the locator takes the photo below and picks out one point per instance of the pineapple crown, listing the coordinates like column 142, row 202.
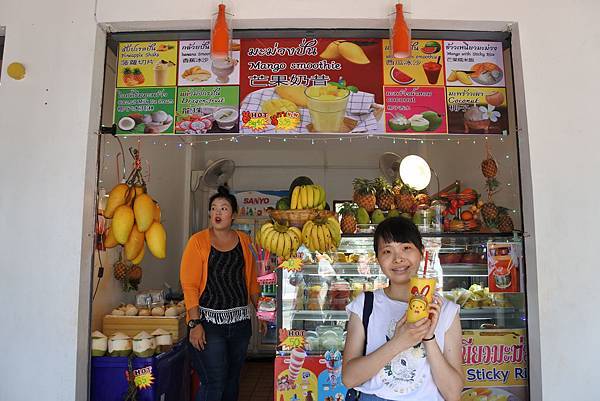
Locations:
column 349, row 208
column 363, row 186
column 382, row 186
column 127, row 70
column 137, row 71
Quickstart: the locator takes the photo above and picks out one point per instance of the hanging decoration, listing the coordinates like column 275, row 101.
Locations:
column 400, row 34
column 220, row 36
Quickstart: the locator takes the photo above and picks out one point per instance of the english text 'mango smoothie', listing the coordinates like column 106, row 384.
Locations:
column 327, row 107
column 421, row 294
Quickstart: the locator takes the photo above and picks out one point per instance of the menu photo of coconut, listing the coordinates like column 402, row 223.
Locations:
column 145, row 111
column 477, row 110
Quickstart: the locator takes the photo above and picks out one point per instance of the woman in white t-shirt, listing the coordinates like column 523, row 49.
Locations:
column 419, row 361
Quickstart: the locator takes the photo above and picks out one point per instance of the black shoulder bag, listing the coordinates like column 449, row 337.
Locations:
column 353, row 394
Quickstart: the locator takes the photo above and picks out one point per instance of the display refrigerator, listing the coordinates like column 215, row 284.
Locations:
column 482, row 272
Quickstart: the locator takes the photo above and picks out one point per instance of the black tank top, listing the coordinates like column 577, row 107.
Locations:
column 226, row 281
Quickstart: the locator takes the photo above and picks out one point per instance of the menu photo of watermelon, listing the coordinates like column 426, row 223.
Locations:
column 401, row 77
column 423, row 68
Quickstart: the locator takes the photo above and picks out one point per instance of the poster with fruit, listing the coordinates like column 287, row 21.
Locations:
column 477, row 110
column 144, row 111
column 495, row 365
column 415, row 109
column 425, row 67
column 304, row 85
column 207, row 109
column 147, row 64
column 504, row 266
column 196, row 67
column 308, row 378
column 474, row 63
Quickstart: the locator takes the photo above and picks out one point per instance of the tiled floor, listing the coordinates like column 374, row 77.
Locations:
column 256, row 383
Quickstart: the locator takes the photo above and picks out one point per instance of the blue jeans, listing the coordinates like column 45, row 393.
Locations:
column 370, row 397
column 220, row 364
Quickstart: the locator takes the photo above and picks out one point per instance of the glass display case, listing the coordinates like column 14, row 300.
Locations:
column 483, row 273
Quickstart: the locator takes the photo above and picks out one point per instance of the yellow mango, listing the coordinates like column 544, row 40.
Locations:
column 293, row 93
column 464, row 78
column 353, row 53
column 452, row 77
column 156, row 238
column 139, row 257
column 157, row 212
column 109, row 240
column 134, row 244
column 117, row 197
column 332, row 51
column 275, row 106
column 143, row 208
column 123, row 220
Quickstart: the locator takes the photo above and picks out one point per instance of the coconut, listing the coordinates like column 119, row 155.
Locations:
column 158, row 311
column 119, row 344
column 159, row 116
column 99, row 343
column 163, row 340
column 143, row 345
column 171, row 311
column 180, row 308
column 399, row 123
column 131, row 310
column 419, row 123
column 126, row 123
column 144, row 312
column 117, row 312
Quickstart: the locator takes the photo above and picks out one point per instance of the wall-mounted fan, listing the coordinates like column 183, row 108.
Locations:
column 389, row 165
column 215, row 174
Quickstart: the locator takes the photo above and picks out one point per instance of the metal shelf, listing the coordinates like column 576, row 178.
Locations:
column 319, row 315
column 467, row 234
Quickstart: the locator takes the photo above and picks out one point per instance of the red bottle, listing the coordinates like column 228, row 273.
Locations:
column 400, row 35
column 220, row 38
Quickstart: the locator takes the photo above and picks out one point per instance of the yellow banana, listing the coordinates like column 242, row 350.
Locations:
column 265, row 228
column 322, row 238
column 303, row 197
column 316, row 196
column 323, row 197
column 296, row 238
column 309, row 197
column 334, row 229
column 268, row 239
column 287, row 247
column 306, row 233
column 327, row 235
column 280, row 244
column 314, row 237
column 295, row 196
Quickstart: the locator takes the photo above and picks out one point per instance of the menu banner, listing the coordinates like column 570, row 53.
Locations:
column 147, row 64
column 425, row 67
column 145, row 110
column 495, row 365
column 314, row 85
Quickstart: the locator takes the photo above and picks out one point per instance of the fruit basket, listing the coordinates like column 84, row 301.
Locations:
column 465, row 197
column 464, row 226
column 297, row 218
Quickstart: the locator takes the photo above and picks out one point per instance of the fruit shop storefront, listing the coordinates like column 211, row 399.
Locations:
column 322, row 135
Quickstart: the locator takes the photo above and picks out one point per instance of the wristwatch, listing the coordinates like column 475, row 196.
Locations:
column 194, row 322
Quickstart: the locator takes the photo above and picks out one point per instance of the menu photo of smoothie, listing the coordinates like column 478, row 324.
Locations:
column 197, row 68
column 423, row 68
column 147, row 64
column 329, row 108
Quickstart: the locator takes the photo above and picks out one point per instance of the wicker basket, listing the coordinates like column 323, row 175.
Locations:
column 297, row 218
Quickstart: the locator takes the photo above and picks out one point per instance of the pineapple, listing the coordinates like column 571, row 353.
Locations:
column 120, row 270
column 423, row 199
column 364, row 194
column 385, row 196
column 348, row 224
column 489, row 212
column 406, row 201
column 138, row 76
column 489, row 168
column 505, row 223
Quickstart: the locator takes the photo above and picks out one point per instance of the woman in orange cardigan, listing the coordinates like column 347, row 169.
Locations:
column 218, row 277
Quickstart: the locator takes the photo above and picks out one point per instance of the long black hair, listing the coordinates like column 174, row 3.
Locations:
column 397, row 229
column 223, row 193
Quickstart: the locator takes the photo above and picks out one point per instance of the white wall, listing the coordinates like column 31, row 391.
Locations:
column 47, row 121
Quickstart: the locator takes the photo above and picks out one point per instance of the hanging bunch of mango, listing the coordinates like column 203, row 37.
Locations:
column 135, row 221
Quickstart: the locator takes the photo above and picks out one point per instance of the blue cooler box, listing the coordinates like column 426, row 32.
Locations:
column 165, row 377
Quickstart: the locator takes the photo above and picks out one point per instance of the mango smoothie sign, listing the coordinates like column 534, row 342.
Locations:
column 425, row 67
column 308, row 85
column 147, row 64
column 495, row 365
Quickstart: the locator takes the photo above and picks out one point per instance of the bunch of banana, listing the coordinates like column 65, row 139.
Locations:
column 135, row 222
column 323, row 235
column 279, row 239
column 308, row 197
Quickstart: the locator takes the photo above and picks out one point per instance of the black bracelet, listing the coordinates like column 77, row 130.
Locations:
column 429, row 339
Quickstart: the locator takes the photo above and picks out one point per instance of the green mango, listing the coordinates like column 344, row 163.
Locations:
column 393, row 213
column 362, row 216
column 377, row 216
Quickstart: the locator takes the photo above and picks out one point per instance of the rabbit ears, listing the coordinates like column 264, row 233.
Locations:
column 424, row 290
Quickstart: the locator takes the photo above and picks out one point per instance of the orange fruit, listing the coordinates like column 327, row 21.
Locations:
column 466, row 216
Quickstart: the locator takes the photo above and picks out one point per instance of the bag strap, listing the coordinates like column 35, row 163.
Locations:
column 367, row 310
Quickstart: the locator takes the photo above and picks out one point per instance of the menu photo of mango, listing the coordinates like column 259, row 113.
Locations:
column 310, row 85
